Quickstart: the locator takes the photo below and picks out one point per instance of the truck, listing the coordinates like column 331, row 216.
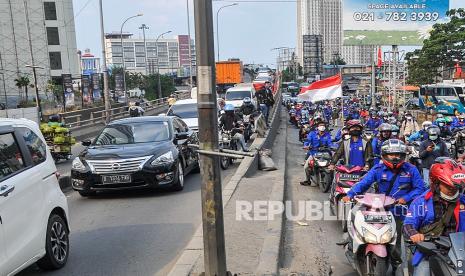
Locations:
column 228, row 74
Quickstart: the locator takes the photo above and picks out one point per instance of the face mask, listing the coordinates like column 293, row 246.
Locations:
column 355, row 132
column 409, row 118
column 449, row 198
column 441, row 124
column 321, row 128
column 433, row 137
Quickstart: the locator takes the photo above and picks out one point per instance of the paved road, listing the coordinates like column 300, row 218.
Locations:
column 130, row 233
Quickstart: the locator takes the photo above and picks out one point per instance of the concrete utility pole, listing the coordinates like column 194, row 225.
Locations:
column 212, row 203
column 106, row 90
column 160, row 95
column 143, row 28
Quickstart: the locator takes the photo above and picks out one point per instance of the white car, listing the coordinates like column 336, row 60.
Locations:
column 33, row 209
column 187, row 111
column 236, row 95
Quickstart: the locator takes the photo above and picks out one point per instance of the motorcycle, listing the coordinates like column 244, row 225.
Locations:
column 450, row 143
column 318, row 172
column 446, row 255
column 227, row 141
column 413, row 156
column 344, row 179
column 248, row 122
column 372, row 234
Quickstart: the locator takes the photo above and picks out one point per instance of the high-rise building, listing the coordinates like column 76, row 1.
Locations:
column 332, row 29
column 309, row 22
column 170, row 55
column 358, row 54
column 39, row 33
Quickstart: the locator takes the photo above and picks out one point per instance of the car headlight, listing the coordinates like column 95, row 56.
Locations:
column 368, row 236
column 163, row 159
column 77, row 165
column 387, row 236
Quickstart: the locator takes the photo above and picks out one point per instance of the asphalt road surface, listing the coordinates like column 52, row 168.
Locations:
column 129, row 233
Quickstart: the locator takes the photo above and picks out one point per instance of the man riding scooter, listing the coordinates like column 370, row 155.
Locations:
column 421, row 135
column 385, row 131
column 374, row 122
column 315, row 139
column 430, row 149
column 355, row 151
column 396, row 178
column 437, row 212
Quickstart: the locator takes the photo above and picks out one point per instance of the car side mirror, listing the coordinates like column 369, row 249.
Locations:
column 86, row 143
column 182, row 136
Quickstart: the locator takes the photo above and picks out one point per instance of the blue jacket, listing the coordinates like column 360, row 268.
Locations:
column 328, row 113
column 421, row 213
column 376, row 144
column 421, row 135
column 314, row 141
column 372, row 124
column 355, row 115
column 458, row 124
column 382, row 175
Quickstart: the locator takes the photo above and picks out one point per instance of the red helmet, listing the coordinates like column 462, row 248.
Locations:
column 352, row 123
column 446, row 171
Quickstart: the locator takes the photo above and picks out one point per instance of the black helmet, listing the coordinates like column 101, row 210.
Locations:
column 393, row 146
column 247, row 100
column 433, row 132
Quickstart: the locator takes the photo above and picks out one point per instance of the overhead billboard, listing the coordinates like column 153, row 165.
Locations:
column 391, row 22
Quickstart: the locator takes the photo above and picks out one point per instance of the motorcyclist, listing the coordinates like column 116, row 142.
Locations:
column 395, row 132
column 431, row 149
column 135, row 110
column 315, row 139
column 385, row 131
column 374, row 122
column 328, row 112
column 445, row 131
column 409, row 126
column 342, row 133
column 247, row 107
column 355, row 151
column 437, row 212
column 392, row 176
column 421, row 135
column 460, row 121
column 229, row 121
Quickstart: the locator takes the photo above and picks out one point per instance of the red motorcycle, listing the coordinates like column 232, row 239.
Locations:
column 344, row 178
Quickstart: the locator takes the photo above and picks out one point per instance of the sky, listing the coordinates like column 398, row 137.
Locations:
column 247, row 31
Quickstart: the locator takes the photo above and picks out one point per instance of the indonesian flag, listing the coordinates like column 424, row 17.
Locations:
column 380, row 58
column 458, row 70
column 258, row 86
column 327, row 89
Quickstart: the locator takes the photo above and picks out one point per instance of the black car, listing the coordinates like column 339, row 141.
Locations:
column 133, row 153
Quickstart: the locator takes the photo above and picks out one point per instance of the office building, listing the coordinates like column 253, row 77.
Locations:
column 40, row 33
column 168, row 55
column 358, row 54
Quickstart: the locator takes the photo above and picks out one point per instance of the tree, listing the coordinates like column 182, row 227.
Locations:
column 441, row 51
column 338, row 61
column 23, row 82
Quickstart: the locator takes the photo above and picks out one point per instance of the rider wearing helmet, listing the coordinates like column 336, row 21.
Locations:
column 385, row 132
column 247, row 107
column 355, row 151
column 460, row 121
column 442, row 124
column 409, row 126
column 229, row 121
column 421, row 135
column 437, row 212
column 374, row 122
column 396, row 178
column 431, row 149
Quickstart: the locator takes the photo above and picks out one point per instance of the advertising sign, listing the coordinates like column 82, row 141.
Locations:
column 96, row 87
column 68, row 87
column 119, row 86
column 86, row 88
column 391, row 22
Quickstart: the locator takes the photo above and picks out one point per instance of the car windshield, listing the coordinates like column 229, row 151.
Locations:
column 133, row 133
column 184, row 111
column 237, row 95
column 263, row 78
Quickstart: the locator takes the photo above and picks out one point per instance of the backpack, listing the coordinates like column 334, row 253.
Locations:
column 134, row 112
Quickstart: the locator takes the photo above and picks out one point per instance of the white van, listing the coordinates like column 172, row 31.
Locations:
column 236, row 95
column 33, row 209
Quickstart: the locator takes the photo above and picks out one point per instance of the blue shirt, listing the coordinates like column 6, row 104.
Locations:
column 373, row 124
column 421, row 135
column 381, row 174
column 421, row 213
column 356, row 155
column 458, row 124
column 376, row 144
column 314, row 140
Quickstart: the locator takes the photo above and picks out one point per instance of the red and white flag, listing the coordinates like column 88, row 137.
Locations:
column 327, row 89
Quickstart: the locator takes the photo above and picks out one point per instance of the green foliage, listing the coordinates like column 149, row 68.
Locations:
column 338, row 61
column 441, row 51
column 23, row 82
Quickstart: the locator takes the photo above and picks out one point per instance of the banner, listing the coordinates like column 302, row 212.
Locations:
column 68, row 89
column 86, row 87
column 119, row 86
column 391, row 22
column 96, row 87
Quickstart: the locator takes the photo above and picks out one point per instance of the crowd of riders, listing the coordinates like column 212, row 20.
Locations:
column 418, row 164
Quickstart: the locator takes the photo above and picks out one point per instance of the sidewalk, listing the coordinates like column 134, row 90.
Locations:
column 252, row 245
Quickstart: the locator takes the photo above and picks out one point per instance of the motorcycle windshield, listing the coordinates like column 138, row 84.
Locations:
column 457, row 252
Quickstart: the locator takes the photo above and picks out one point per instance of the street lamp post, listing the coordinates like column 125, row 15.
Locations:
column 143, row 28
column 34, row 74
column 122, row 52
column 158, row 64
column 218, row 31
column 190, row 47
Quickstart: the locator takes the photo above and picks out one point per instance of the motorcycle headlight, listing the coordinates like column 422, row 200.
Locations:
column 163, row 159
column 387, row 236
column 368, row 236
column 323, row 163
column 77, row 165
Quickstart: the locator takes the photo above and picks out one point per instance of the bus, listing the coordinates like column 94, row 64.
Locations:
column 446, row 98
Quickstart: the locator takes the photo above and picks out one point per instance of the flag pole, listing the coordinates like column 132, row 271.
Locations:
column 342, row 99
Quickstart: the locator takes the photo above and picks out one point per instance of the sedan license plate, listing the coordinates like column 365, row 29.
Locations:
column 116, row 179
column 349, row 177
column 381, row 219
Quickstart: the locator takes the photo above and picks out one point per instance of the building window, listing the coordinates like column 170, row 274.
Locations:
column 53, row 36
column 55, row 60
column 50, row 10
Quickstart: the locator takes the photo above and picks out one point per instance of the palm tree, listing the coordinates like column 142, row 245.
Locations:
column 23, row 82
